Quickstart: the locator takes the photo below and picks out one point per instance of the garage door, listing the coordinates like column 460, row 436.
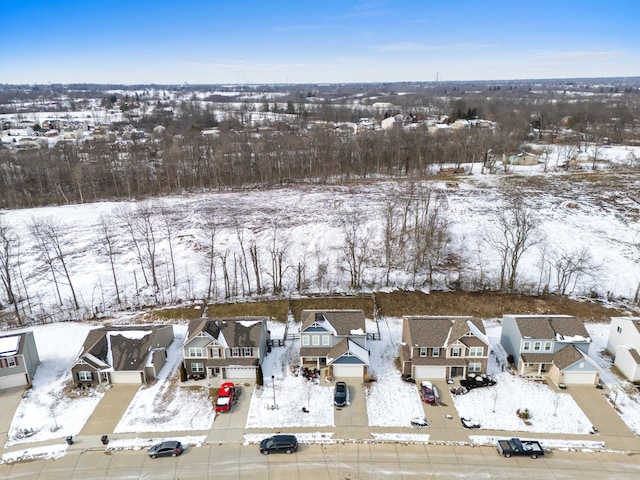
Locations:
column 126, row 377
column 430, row 371
column 240, row 372
column 347, row 371
column 11, row 381
column 580, row 378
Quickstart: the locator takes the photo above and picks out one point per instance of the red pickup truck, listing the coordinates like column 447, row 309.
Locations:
column 226, row 397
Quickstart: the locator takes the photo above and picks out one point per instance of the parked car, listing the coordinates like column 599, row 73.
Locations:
column 226, row 396
column 170, row 448
column 429, row 393
column 341, row 395
column 279, row 444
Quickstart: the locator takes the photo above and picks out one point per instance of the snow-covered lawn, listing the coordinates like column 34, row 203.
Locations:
column 166, row 405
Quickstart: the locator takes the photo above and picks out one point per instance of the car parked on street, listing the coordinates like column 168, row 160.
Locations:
column 279, row 444
column 171, row 448
column 341, row 395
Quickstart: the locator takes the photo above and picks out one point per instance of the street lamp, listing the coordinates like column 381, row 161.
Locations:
column 273, row 384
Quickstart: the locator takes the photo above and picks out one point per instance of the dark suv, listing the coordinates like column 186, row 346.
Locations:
column 279, row 444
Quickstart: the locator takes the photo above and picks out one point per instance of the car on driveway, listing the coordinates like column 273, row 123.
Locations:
column 226, row 397
column 279, row 444
column 171, row 448
column 341, row 395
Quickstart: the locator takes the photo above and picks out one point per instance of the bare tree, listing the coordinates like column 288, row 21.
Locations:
column 168, row 230
column 355, row 248
column 210, row 225
column 570, row 267
column 8, row 245
column 277, row 251
column 48, row 235
column 516, row 233
column 107, row 242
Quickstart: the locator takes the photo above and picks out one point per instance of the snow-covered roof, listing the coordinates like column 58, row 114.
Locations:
column 9, row 345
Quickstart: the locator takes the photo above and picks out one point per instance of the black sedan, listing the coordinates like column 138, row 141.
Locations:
column 341, row 395
column 170, row 448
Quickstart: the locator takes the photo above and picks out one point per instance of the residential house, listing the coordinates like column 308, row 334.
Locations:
column 335, row 342
column 553, row 345
column 624, row 345
column 443, row 347
column 524, row 158
column 225, row 347
column 18, row 359
column 122, row 354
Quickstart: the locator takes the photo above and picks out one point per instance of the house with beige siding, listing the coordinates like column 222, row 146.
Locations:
column 443, row 347
column 624, row 345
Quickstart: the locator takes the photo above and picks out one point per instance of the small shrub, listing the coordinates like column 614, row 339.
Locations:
column 524, row 414
column 510, row 359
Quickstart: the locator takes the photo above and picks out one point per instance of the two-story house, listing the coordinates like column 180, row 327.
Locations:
column 624, row 344
column 443, row 347
column 557, row 345
column 334, row 341
column 225, row 347
column 122, row 354
column 18, row 359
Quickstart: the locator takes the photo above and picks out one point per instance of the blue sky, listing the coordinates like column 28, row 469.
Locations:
column 305, row 41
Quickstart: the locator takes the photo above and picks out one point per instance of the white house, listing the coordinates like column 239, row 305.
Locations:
column 624, row 345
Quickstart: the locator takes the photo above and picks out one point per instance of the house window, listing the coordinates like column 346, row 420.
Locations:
column 215, row 353
column 11, row 362
column 476, row 352
column 547, row 346
column 436, row 352
column 305, row 340
column 197, row 367
column 247, row 352
column 195, row 352
column 316, row 340
column 85, row 376
column 455, row 351
column 423, row 351
column 326, row 340
column 619, row 329
column 537, row 346
column 526, row 346
column 475, row 367
column 235, row 352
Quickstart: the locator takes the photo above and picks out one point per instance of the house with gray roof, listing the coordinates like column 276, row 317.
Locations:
column 334, row 342
column 18, row 359
column 122, row 354
column 443, row 347
column 225, row 347
column 553, row 346
column 624, row 345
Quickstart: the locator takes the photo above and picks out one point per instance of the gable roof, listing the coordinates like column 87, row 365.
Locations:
column 570, row 355
column 439, row 331
column 348, row 346
column 562, row 328
column 342, row 322
column 228, row 332
column 123, row 348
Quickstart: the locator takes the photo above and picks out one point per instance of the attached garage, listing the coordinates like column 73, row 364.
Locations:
column 430, row 371
column 347, row 370
column 126, row 377
column 240, row 372
column 581, row 378
column 11, row 381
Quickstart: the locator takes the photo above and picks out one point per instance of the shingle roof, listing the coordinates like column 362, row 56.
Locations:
column 237, row 331
column 434, row 331
column 345, row 322
column 544, row 327
column 568, row 356
column 112, row 346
